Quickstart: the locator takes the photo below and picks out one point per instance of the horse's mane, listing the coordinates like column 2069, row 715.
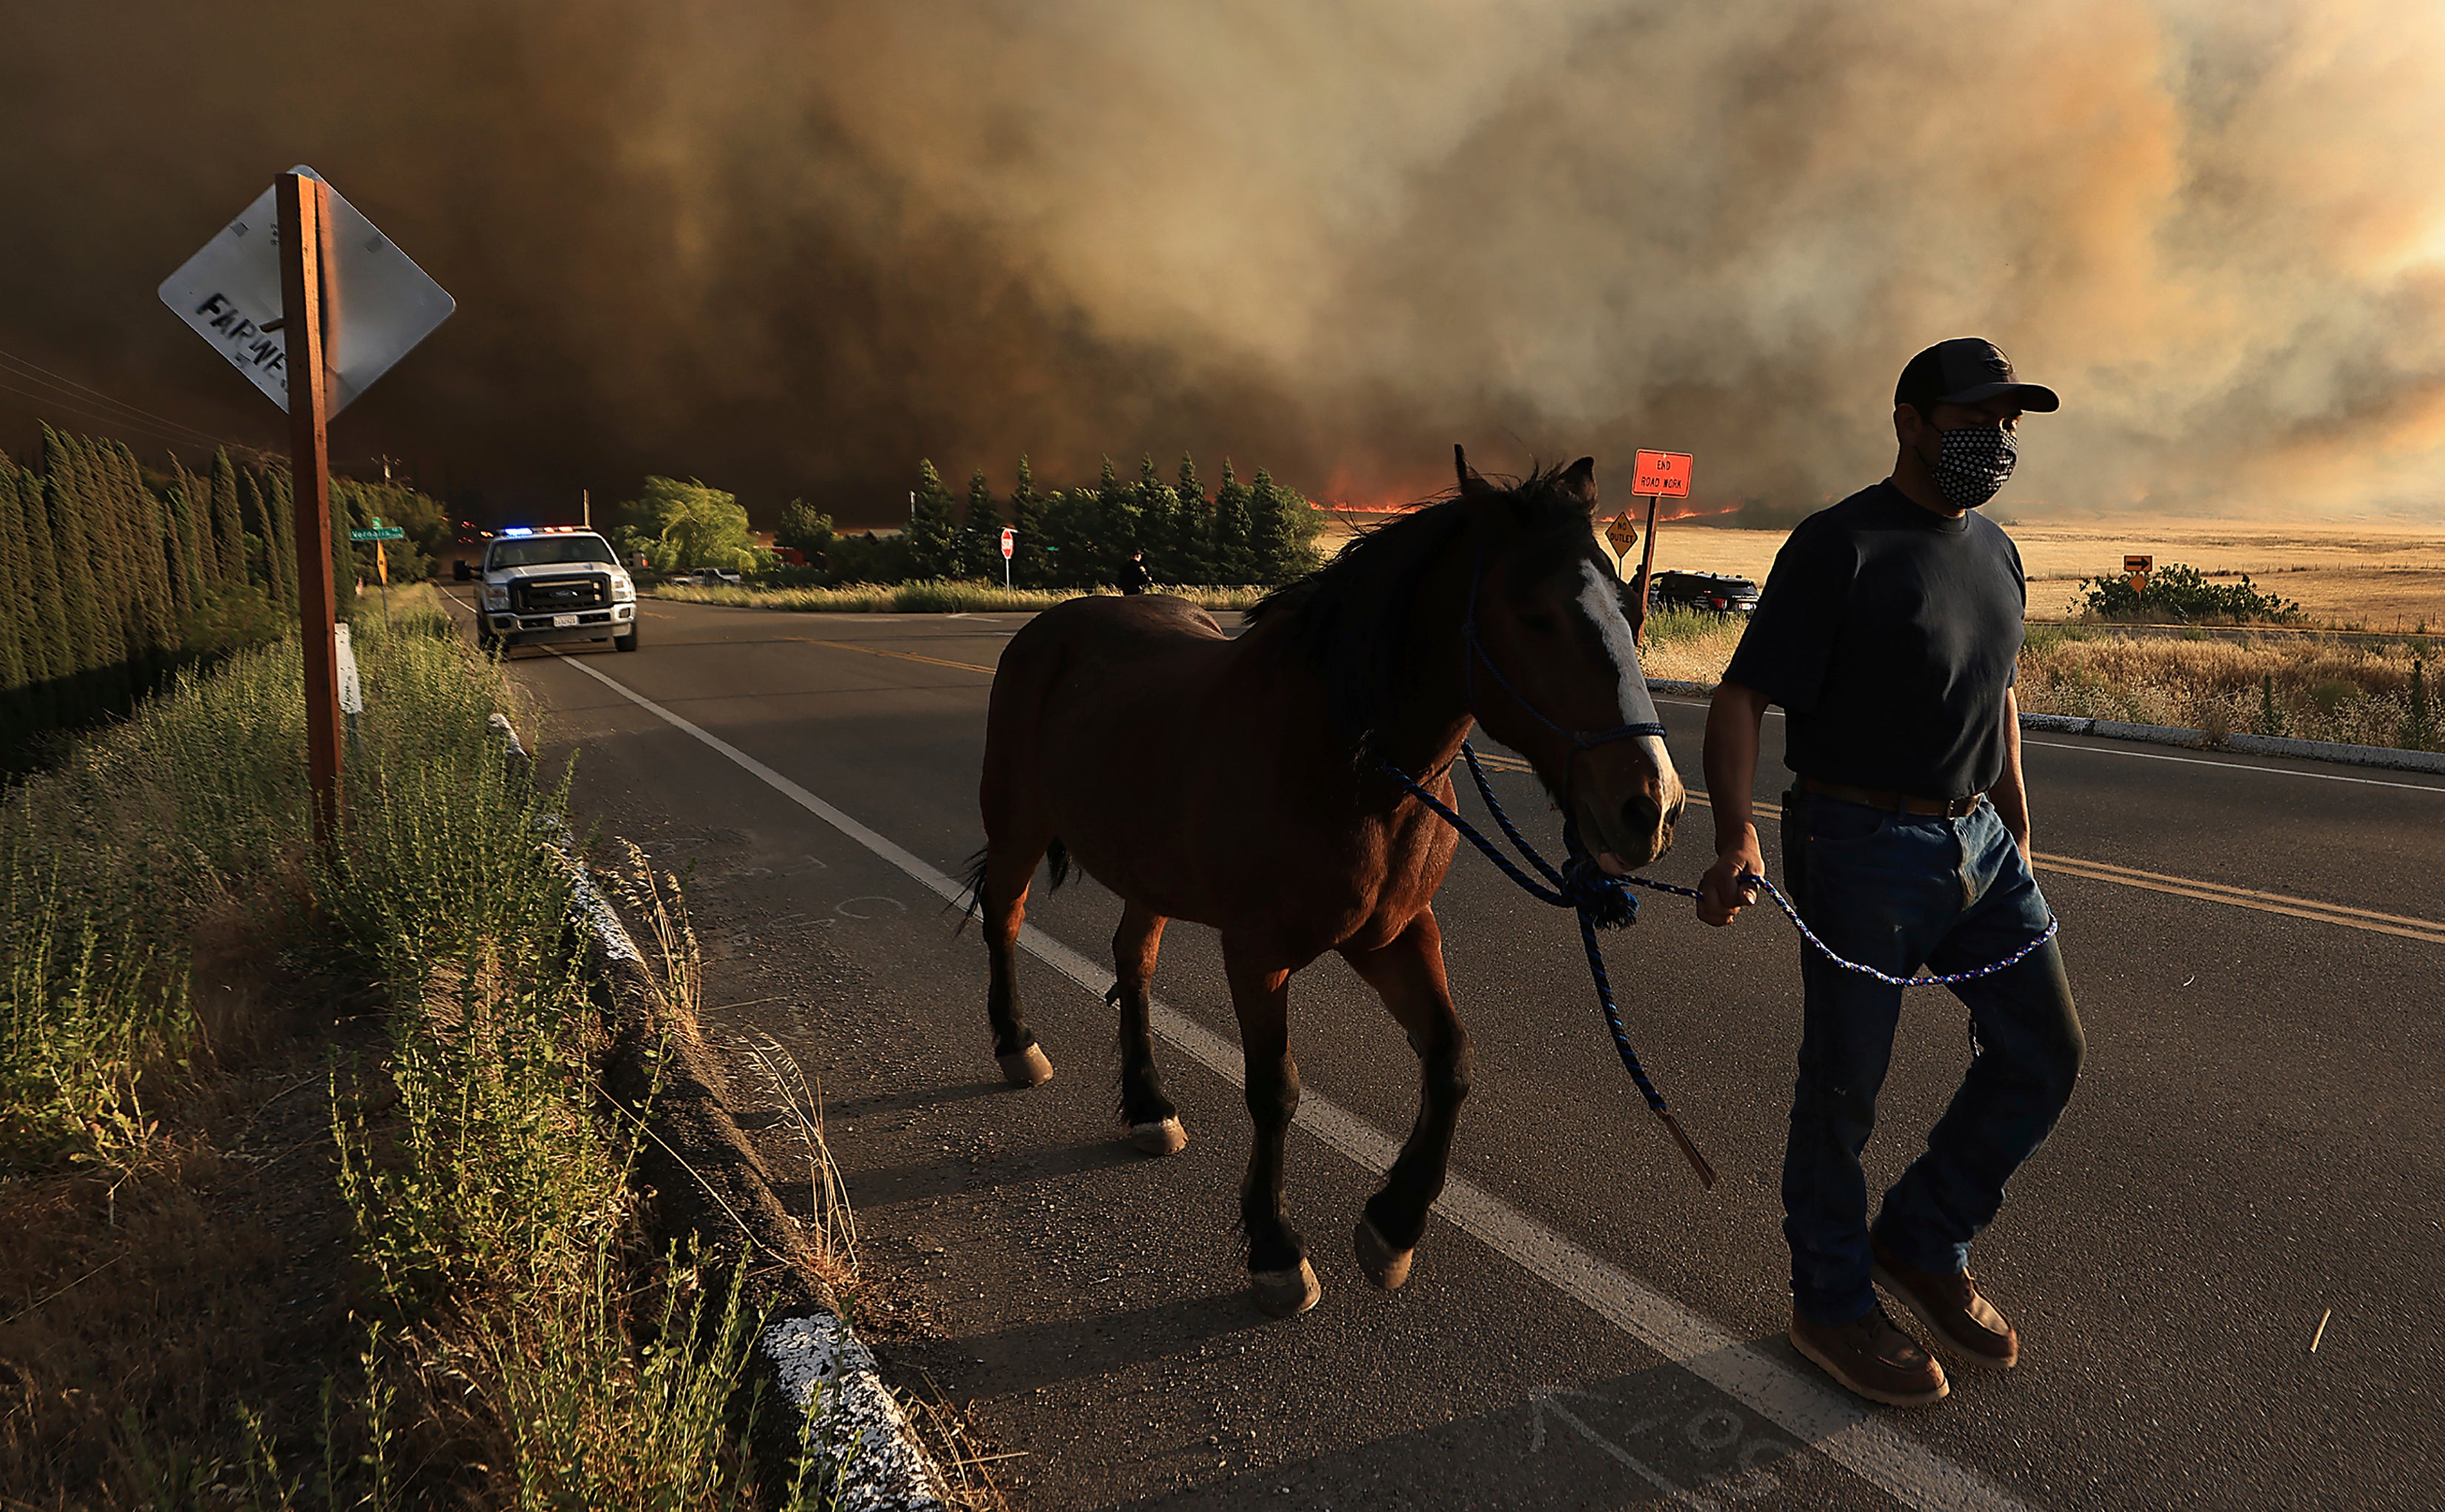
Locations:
column 1351, row 616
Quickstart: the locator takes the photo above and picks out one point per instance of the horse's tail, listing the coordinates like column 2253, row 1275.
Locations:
column 971, row 899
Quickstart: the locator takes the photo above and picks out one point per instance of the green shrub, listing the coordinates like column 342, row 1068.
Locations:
column 2183, row 594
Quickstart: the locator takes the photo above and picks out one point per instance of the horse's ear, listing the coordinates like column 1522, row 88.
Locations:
column 1578, row 483
column 1469, row 482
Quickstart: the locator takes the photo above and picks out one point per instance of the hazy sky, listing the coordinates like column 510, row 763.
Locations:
column 791, row 248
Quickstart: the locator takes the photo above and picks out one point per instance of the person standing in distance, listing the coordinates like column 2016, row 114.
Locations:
column 1889, row 634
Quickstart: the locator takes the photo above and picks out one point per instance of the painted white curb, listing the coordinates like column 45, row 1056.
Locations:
column 852, row 1419
column 2356, row 756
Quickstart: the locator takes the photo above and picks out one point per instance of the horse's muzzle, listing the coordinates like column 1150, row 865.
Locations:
column 1629, row 801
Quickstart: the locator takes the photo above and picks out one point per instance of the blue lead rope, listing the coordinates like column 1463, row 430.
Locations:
column 1604, row 902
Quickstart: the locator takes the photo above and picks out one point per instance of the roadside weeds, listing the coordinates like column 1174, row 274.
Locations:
column 316, row 1198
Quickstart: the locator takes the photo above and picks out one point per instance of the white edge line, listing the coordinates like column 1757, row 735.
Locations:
column 1848, row 1432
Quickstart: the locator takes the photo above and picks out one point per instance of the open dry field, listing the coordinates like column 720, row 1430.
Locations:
column 2376, row 577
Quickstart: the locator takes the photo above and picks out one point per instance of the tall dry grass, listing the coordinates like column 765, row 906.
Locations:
column 2307, row 687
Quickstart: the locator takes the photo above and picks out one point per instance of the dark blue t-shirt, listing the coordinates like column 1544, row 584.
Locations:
column 1889, row 634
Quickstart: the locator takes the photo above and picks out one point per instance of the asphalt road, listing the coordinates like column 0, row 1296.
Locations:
column 2258, row 947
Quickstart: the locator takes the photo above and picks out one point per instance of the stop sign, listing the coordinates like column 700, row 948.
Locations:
column 1009, row 542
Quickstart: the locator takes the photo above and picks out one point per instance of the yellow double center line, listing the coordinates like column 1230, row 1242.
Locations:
column 2428, row 931
column 901, row 656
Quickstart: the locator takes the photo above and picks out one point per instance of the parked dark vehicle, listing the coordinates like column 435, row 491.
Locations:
column 460, row 571
column 1709, row 592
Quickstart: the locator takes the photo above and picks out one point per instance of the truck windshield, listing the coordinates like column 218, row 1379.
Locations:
column 549, row 550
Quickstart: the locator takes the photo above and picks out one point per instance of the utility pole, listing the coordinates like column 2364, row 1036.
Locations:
column 302, row 212
column 586, row 507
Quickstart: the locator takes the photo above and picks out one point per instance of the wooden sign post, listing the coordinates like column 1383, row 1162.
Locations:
column 303, row 208
column 1659, row 476
column 274, row 306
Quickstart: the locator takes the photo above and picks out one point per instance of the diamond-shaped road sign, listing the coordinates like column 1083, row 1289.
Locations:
column 380, row 304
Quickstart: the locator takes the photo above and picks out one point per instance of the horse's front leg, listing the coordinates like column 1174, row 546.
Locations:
column 1279, row 1278
column 1408, row 975
column 1147, row 1113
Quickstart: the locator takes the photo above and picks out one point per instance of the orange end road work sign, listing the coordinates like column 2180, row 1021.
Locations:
column 1663, row 472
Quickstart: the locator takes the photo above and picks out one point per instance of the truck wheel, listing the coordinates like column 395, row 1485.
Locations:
column 628, row 641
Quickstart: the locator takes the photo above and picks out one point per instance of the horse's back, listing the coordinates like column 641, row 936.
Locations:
column 1106, row 731
column 1105, row 629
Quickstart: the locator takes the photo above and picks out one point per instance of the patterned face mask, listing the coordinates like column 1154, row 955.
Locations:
column 1973, row 462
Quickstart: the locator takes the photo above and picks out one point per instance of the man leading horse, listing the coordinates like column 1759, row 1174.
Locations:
column 1889, row 634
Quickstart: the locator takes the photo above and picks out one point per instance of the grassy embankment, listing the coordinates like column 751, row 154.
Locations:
column 308, row 1194
column 928, row 597
column 2307, row 687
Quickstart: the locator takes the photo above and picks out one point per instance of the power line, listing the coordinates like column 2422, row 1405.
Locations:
column 37, row 373
column 69, row 396
column 54, row 402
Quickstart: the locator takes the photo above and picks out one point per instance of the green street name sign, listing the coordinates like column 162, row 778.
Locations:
column 379, row 533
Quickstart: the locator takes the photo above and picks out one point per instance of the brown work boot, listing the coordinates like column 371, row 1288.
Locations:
column 1952, row 1307
column 1874, row 1358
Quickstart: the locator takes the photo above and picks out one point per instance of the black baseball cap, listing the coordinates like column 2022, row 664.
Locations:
column 1967, row 370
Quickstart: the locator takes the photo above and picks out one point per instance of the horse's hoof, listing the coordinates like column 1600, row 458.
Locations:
column 1165, row 1137
column 1285, row 1294
column 1026, row 1067
column 1385, row 1267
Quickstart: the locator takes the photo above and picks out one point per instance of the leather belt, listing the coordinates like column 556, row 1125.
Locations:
column 1893, row 802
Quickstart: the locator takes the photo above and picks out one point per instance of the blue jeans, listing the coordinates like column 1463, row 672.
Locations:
column 1896, row 892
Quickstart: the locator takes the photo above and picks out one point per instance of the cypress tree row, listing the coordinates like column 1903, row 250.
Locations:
column 186, row 577
column 1233, row 561
column 228, row 526
column 981, row 531
column 1257, row 535
column 109, row 583
column 45, row 646
column 15, row 592
column 284, row 526
column 148, row 545
column 261, row 537
column 933, row 538
column 1029, row 566
column 91, row 639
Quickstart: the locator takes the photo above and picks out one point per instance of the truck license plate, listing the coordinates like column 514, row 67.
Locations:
column 564, row 621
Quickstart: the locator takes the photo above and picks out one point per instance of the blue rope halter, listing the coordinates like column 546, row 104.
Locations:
column 1601, row 901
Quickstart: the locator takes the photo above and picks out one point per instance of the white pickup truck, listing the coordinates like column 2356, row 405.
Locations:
column 556, row 584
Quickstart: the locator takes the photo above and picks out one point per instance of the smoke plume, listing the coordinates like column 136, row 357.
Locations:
column 790, row 247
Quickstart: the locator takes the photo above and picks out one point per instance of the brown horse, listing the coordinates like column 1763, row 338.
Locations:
column 1239, row 783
